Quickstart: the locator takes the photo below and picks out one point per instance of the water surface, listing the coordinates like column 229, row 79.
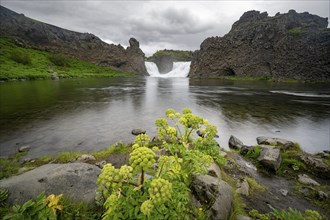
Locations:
column 91, row 114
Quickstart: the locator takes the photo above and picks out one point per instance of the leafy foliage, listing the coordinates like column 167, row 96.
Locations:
column 20, row 57
column 156, row 186
column 59, row 59
column 290, row 214
column 41, row 208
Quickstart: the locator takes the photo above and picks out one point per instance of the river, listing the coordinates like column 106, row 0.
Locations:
column 91, row 114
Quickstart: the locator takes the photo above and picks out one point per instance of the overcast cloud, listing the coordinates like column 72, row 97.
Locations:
column 155, row 24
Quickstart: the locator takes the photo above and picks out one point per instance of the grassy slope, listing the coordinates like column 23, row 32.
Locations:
column 41, row 67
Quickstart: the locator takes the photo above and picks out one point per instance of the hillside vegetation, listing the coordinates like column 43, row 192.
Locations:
column 177, row 55
column 18, row 63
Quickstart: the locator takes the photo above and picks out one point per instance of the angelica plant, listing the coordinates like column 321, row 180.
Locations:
column 127, row 193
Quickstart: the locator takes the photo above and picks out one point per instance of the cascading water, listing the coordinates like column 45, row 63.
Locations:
column 180, row 69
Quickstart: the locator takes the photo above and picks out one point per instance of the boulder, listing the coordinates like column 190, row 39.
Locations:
column 270, row 157
column 274, row 141
column 214, row 193
column 138, row 131
column 75, row 180
column 305, row 179
column 316, row 165
column 243, row 188
column 85, row 158
column 235, row 143
column 214, row 170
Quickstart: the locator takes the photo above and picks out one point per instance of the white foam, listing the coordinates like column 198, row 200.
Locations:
column 302, row 94
column 180, row 69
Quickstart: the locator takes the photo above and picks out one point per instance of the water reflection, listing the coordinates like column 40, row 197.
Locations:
column 90, row 114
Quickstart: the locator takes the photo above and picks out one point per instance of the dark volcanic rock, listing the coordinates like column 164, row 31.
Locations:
column 164, row 63
column 292, row 45
column 35, row 34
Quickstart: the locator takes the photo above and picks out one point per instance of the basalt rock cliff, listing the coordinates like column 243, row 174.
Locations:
column 292, row 45
column 35, row 34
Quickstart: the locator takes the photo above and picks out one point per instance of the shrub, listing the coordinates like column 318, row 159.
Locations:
column 20, row 57
column 59, row 59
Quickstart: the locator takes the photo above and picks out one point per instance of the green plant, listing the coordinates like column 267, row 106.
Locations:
column 296, row 31
column 66, row 157
column 59, row 59
column 126, row 192
column 254, row 153
column 41, row 208
column 20, row 57
column 3, row 196
column 290, row 214
column 254, row 185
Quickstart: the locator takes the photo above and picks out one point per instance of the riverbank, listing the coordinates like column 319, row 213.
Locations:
column 19, row 63
column 260, row 186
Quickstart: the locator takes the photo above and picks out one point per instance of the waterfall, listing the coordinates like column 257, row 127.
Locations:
column 180, row 69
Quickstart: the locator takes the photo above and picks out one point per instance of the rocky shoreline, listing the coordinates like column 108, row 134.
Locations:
column 261, row 176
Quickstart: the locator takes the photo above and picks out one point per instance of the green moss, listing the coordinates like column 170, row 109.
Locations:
column 117, row 148
column 253, row 153
column 255, row 186
column 10, row 166
column 67, row 157
column 41, row 63
column 238, row 204
column 296, row 31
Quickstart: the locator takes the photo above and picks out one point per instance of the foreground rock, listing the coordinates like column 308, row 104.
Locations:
column 74, row 180
column 214, row 192
column 210, row 191
column 270, row 157
column 262, row 46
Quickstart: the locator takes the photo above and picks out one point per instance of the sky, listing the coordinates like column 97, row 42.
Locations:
column 157, row 25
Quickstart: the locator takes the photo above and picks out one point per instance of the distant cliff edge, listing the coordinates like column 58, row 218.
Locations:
column 35, row 34
column 292, row 45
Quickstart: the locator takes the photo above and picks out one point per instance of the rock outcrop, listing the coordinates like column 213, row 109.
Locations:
column 292, row 45
column 164, row 63
column 35, row 34
column 75, row 180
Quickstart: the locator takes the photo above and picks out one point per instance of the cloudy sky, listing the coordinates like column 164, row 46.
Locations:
column 156, row 24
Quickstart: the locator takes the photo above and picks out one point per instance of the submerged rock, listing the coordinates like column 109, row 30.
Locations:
column 74, row 180
column 24, row 148
column 138, row 131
